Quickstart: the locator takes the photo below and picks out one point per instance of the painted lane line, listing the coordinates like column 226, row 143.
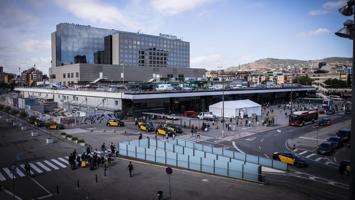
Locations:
column 235, row 146
column 19, row 172
column 295, row 150
column 43, row 166
column 310, row 155
column 33, row 166
column 23, row 167
column 64, row 161
column 259, row 147
column 9, row 173
column 58, row 163
column 262, row 140
column 2, row 177
column 318, row 159
column 11, row 194
column 34, row 180
column 329, row 163
column 66, row 157
column 266, row 156
column 310, row 138
column 303, row 152
column 51, row 165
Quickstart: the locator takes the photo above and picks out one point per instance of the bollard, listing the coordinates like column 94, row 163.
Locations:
column 77, row 184
column 57, row 188
column 105, row 170
column 96, row 178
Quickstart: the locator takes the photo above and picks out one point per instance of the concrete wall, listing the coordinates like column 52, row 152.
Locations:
column 116, row 49
column 60, row 70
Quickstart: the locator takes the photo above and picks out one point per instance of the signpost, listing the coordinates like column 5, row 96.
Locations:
column 169, row 171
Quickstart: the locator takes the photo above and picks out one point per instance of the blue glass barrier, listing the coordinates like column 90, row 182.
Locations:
column 141, row 153
column 198, row 146
column 199, row 153
column 131, row 151
column 161, row 145
column 207, row 165
column 236, row 169
column 221, row 167
column 228, row 153
column 217, row 150
column 251, row 171
column 279, row 165
column 207, row 149
column 183, row 160
column 123, row 149
column 179, row 149
column 252, row 159
column 195, row 163
column 188, row 151
column 265, row 162
column 189, row 144
column 169, row 147
column 239, row 156
column 211, row 156
column 150, row 154
column 224, row 159
column 153, row 144
column 181, row 142
column 160, row 156
column 171, row 158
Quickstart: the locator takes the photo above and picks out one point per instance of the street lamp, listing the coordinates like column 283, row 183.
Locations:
column 348, row 32
column 222, row 104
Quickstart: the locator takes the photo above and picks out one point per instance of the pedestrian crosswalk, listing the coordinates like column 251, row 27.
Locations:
column 314, row 156
column 37, row 167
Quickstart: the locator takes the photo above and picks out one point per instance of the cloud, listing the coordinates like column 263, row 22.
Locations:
column 12, row 16
column 207, row 61
column 36, row 45
column 97, row 12
column 318, row 31
column 173, row 7
column 328, row 7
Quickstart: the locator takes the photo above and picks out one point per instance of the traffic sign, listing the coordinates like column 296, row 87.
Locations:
column 169, row 170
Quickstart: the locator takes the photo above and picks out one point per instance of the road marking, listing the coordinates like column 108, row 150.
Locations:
column 310, row 138
column 34, row 180
column 312, row 178
column 38, row 169
column 262, row 140
column 318, row 159
column 310, row 155
column 58, row 163
column 266, row 155
column 2, row 178
column 235, row 146
column 63, row 160
column 9, row 173
column 43, row 166
column 329, row 163
column 19, row 172
column 303, row 152
column 11, row 194
column 51, row 165
column 259, row 147
column 251, row 139
column 295, row 150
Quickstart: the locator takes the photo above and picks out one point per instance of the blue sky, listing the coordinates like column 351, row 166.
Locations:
column 221, row 32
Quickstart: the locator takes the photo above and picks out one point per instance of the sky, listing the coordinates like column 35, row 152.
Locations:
column 222, row 33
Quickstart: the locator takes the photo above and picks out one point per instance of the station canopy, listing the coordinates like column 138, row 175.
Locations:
column 241, row 108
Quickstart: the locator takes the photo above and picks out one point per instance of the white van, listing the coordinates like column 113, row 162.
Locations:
column 164, row 87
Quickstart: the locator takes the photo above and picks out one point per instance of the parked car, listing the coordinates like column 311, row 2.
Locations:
column 336, row 141
column 175, row 128
column 171, row 117
column 114, row 123
column 164, row 87
column 325, row 121
column 190, row 113
column 290, row 158
column 326, row 148
column 330, row 112
column 344, row 134
column 55, row 126
column 344, row 167
column 146, row 126
column 161, row 130
column 206, row 116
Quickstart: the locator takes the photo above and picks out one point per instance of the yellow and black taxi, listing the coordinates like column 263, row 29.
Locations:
column 114, row 123
column 55, row 126
column 344, row 167
column 175, row 128
column 161, row 130
column 146, row 126
column 290, row 158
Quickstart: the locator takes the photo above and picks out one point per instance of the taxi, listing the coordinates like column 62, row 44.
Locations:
column 290, row 158
column 55, row 126
column 175, row 128
column 164, row 130
column 114, row 123
column 146, row 126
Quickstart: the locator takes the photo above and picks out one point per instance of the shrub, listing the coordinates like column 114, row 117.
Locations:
column 23, row 114
column 63, row 133
column 81, row 141
column 69, row 136
column 74, row 138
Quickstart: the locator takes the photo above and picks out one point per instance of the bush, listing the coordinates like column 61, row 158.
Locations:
column 63, row 133
column 23, row 114
column 1, row 107
column 7, row 109
column 81, row 141
column 74, row 138
column 69, row 136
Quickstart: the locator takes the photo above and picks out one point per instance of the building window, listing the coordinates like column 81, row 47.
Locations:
column 116, row 102
column 68, row 75
column 77, row 74
column 72, row 75
column 63, row 75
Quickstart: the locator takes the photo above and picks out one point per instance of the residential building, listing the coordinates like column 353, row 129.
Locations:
column 31, row 76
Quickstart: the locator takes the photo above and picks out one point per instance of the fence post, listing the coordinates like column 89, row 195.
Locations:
column 148, row 142
column 176, row 159
column 214, row 166
column 173, row 147
column 183, row 150
column 272, row 163
column 188, row 161
column 193, row 151
column 165, row 158
column 258, row 159
column 155, row 155
column 227, row 168
column 164, row 146
column 243, row 171
column 204, row 152
column 135, row 151
column 217, row 156
column 126, row 149
column 201, row 164
column 145, row 153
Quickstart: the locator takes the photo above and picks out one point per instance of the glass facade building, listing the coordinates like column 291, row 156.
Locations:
column 75, row 43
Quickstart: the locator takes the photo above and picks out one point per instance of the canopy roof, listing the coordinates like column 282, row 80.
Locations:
column 237, row 104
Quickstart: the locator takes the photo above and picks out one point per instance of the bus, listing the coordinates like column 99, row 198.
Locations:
column 300, row 118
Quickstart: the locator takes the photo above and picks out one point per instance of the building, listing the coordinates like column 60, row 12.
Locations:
column 31, row 76
column 6, row 77
column 77, row 44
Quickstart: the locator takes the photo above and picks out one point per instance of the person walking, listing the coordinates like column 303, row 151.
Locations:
column 112, row 148
column 130, row 169
column 140, row 136
column 88, row 149
column 27, row 168
column 198, row 134
column 103, row 147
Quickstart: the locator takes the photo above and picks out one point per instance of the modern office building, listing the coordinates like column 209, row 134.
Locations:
column 77, row 44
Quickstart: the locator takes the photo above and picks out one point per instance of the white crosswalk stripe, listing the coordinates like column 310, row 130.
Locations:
column 2, row 178
column 35, row 168
column 58, row 163
column 8, row 172
column 303, row 152
column 318, row 159
column 23, row 167
column 43, row 166
column 311, row 155
column 51, row 165
column 64, row 160
column 19, row 172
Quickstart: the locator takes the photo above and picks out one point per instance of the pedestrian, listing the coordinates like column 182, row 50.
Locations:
column 103, row 147
column 88, row 149
column 192, row 131
column 198, row 134
column 140, row 136
column 293, row 147
column 130, row 169
column 27, row 168
column 112, row 148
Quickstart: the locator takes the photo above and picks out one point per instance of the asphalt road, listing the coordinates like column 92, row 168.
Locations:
column 266, row 143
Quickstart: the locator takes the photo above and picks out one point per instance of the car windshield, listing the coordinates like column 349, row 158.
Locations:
column 333, row 139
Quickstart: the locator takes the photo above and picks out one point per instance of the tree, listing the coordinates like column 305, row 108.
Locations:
column 303, row 80
column 335, row 83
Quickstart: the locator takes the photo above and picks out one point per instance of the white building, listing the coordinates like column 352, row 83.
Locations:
column 236, row 108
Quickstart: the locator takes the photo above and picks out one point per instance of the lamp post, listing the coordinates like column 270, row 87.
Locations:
column 222, row 104
column 348, row 32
